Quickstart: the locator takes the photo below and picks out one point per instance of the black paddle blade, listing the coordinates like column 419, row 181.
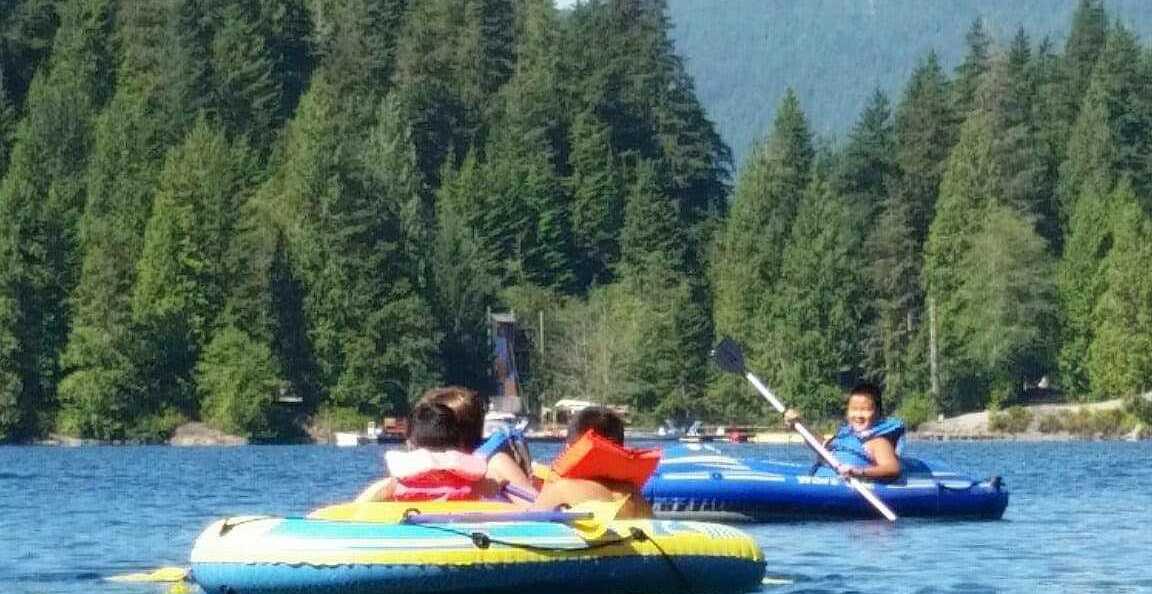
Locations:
column 728, row 356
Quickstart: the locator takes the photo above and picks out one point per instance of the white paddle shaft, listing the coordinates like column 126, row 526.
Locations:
column 815, row 444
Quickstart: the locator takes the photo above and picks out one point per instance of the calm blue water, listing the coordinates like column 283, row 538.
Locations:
column 1079, row 519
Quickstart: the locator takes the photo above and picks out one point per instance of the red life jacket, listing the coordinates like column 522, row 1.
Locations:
column 424, row 475
column 598, row 458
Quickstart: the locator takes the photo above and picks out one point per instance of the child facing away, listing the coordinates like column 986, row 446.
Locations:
column 568, row 491
column 445, row 425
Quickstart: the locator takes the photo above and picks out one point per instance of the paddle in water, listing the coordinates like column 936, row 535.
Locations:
column 728, row 357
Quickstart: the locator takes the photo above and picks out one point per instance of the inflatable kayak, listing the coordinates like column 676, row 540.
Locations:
column 465, row 552
column 707, row 485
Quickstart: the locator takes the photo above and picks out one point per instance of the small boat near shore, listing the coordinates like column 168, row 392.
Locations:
column 703, row 484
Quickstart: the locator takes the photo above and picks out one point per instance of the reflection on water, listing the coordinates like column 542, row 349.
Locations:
column 1077, row 522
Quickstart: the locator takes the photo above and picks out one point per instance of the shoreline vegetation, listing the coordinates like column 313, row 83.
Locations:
column 1075, row 421
column 305, row 213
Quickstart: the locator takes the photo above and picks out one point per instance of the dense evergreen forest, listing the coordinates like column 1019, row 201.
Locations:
column 259, row 213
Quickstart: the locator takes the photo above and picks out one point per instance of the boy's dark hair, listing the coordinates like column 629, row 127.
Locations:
column 601, row 420
column 873, row 392
column 467, row 408
column 434, row 426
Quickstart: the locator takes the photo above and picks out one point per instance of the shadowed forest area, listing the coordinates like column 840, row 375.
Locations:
column 211, row 208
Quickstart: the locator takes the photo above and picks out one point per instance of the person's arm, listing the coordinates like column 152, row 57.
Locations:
column 887, row 464
column 569, row 492
column 791, row 417
column 380, row 490
column 503, row 469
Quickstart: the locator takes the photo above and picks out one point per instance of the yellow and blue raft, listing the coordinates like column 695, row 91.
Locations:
column 379, row 548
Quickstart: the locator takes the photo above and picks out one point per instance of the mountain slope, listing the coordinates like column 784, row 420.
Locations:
column 745, row 53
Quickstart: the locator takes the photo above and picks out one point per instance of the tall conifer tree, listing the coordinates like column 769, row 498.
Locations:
column 1119, row 358
column 925, row 132
column 969, row 73
column 971, row 184
column 8, row 121
column 749, row 253
column 1081, row 50
column 467, row 277
column 105, row 393
column 41, row 200
column 597, row 192
column 182, row 277
column 818, row 317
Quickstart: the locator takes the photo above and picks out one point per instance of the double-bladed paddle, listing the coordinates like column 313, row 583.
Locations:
column 728, row 357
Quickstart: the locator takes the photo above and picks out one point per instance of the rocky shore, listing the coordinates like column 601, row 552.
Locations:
column 199, row 434
column 975, row 425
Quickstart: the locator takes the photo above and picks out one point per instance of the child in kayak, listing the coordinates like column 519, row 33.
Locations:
column 596, row 467
column 443, row 429
column 865, row 445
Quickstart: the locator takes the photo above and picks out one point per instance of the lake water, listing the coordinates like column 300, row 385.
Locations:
column 1079, row 520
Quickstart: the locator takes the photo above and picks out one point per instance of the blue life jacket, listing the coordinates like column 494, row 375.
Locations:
column 848, row 445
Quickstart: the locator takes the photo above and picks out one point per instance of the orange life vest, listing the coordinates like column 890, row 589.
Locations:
column 598, row 458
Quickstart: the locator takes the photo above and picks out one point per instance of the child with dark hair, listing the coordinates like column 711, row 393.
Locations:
column 865, row 445
column 596, row 438
column 599, row 419
column 449, row 422
column 433, row 426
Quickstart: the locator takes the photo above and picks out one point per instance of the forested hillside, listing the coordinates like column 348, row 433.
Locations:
column 744, row 54
column 211, row 208
column 259, row 213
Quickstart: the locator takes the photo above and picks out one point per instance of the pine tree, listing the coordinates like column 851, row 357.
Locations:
column 893, row 274
column 245, row 93
column 182, row 277
column 1006, row 306
column 521, row 166
column 106, row 392
column 404, row 343
column 863, row 177
column 466, row 279
column 1008, row 96
column 653, row 257
column 238, row 380
column 1049, row 126
column 41, row 198
column 1108, row 142
column 286, row 28
column 357, row 43
column 1120, row 70
column 868, row 163
column 969, row 73
column 971, row 184
column 1081, row 275
column 818, row 317
column 344, row 193
column 1085, row 42
column 1119, row 358
column 750, row 250
column 597, row 192
column 447, row 70
column 925, row 133
column 620, row 63
column 8, row 120
column 27, row 28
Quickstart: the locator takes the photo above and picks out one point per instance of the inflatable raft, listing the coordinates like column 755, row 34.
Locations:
column 707, row 485
column 344, row 550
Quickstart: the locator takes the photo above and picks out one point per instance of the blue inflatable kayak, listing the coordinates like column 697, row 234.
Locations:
column 706, row 485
